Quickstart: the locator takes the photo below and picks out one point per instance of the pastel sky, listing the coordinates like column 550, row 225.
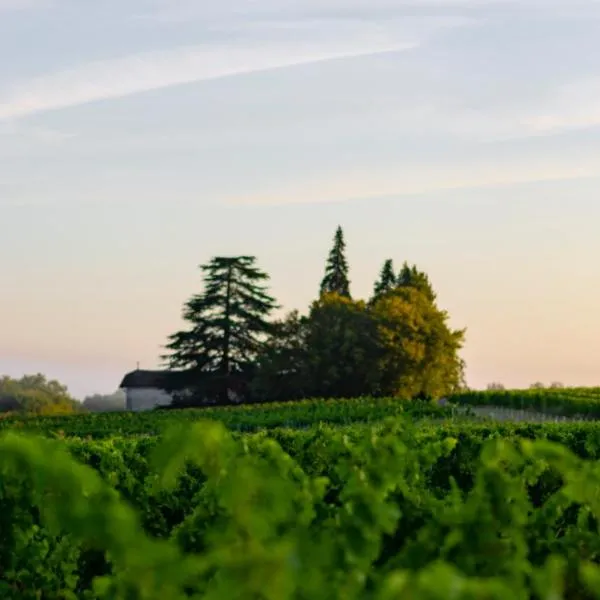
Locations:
column 140, row 138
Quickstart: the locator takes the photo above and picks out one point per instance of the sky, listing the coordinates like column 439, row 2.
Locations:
column 138, row 139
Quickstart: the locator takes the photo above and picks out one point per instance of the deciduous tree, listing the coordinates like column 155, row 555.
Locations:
column 418, row 353
column 35, row 394
column 342, row 347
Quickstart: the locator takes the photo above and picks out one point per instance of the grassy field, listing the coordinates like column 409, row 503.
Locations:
column 349, row 499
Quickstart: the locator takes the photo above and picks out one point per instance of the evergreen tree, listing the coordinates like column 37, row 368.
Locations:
column 412, row 277
column 336, row 270
column 228, row 323
column 387, row 279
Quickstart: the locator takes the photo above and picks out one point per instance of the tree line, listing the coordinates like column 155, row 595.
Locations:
column 35, row 394
column 395, row 343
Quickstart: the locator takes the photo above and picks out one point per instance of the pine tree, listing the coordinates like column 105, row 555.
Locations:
column 387, row 279
column 228, row 323
column 336, row 269
column 412, row 277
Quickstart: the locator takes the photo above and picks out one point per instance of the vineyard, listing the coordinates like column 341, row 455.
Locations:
column 346, row 499
column 568, row 402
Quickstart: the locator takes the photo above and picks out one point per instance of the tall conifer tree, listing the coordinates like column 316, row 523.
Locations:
column 228, row 323
column 336, row 270
column 387, row 279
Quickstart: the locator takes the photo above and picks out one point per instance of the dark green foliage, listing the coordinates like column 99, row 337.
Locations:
column 387, row 279
column 342, row 348
column 412, row 277
column 399, row 344
column 336, row 280
column 281, row 369
column 396, row 344
column 228, row 325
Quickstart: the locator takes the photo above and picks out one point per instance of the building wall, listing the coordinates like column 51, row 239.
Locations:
column 146, row 398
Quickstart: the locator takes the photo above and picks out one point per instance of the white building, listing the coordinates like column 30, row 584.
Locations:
column 145, row 390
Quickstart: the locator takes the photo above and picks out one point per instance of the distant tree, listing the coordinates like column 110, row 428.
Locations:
column 281, row 372
column 336, row 280
column 556, row 385
column 228, row 326
column 412, row 277
column 386, row 281
column 419, row 353
column 105, row 402
column 35, row 394
column 538, row 385
column 495, row 386
column 341, row 347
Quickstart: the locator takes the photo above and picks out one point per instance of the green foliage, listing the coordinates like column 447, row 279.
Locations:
column 281, row 369
column 396, row 344
column 418, row 353
column 336, row 280
column 341, row 347
column 386, row 281
column 228, row 324
column 248, row 417
column 413, row 278
column 35, row 394
column 570, row 402
column 384, row 511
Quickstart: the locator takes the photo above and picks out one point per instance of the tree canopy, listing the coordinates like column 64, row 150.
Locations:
column 399, row 343
column 341, row 347
column 418, row 351
column 410, row 276
column 35, row 394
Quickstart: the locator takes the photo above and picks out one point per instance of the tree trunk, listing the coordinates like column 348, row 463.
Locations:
column 225, row 366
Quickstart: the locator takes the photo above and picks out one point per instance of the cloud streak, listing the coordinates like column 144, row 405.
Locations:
column 8, row 5
column 111, row 79
column 167, row 11
column 418, row 180
column 573, row 106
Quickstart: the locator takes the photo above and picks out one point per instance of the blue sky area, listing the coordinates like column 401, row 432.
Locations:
column 140, row 138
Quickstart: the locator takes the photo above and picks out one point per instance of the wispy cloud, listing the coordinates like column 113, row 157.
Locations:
column 573, row 105
column 108, row 79
column 6, row 5
column 419, row 179
column 167, row 11
column 14, row 131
